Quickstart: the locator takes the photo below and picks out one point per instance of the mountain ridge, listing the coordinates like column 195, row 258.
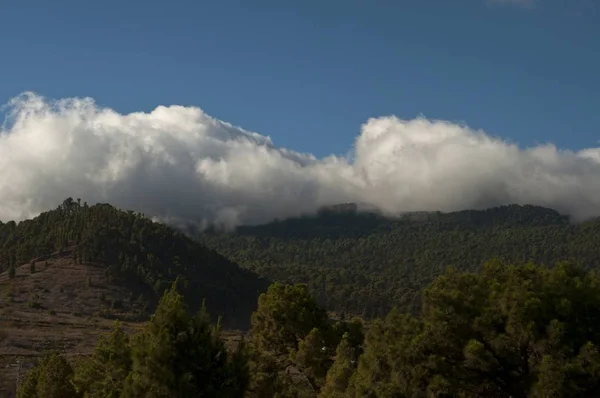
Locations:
column 365, row 263
column 135, row 250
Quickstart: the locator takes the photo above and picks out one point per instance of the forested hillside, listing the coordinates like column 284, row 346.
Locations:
column 509, row 331
column 138, row 253
column 364, row 263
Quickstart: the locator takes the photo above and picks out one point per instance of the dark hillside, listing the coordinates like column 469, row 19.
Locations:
column 137, row 254
column 364, row 263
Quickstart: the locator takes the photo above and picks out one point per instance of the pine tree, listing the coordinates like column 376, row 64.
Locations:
column 11, row 271
column 51, row 378
column 312, row 358
column 285, row 315
column 103, row 374
column 28, row 387
column 338, row 376
column 179, row 355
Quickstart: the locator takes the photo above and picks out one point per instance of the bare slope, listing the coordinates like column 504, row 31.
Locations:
column 62, row 306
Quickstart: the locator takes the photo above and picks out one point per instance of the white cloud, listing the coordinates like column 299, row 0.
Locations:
column 178, row 163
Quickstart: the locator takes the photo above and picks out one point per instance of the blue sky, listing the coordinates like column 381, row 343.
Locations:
column 309, row 73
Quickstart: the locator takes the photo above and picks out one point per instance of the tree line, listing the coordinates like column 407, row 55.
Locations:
column 140, row 254
column 507, row 331
column 365, row 264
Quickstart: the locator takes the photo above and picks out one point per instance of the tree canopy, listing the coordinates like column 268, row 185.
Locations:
column 510, row 331
column 176, row 355
column 519, row 325
column 365, row 264
column 507, row 331
column 143, row 255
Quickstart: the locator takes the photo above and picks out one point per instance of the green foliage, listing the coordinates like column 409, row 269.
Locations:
column 365, row 264
column 496, row 331
column 33, row 302
column 103, row 374
column 510, row 331
column 285, row 315
column 340, row 372
column 268, row 379
column 143, row 255
column 52, row 378
column 28, row 387
column 352, row 332
column 293, row 343
column 312, row 357
column 181, row 355
column 384, row 368
column 175, row 355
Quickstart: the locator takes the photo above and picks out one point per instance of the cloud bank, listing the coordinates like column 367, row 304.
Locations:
column 178, row 163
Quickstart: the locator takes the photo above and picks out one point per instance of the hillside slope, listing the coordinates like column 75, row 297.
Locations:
column 62, row 306
column 364, row 263
column 139, row 255
column 65, row 305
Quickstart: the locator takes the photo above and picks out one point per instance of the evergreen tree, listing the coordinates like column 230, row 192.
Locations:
column 269, row 378
column 103, row 374
column 338, row 376
column 385, row 368
column 510, row 331
column 179, row 355
column 312, row 357
column 11, row 271
column 285, row 315
column 292, row 340
column 51, row 378
column 28, row 387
